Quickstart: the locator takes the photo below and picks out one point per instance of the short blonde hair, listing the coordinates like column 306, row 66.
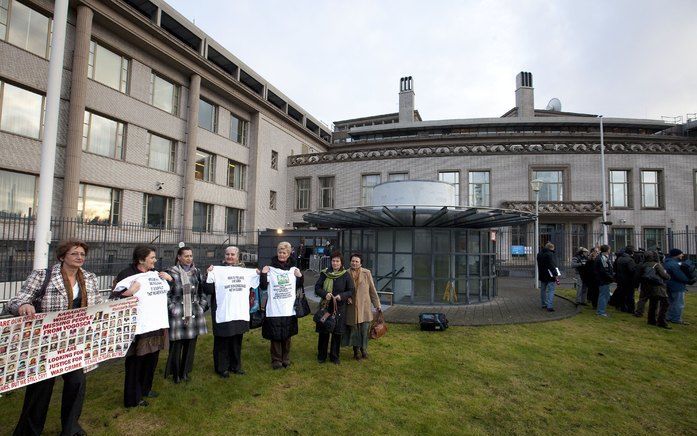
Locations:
column 284, row 246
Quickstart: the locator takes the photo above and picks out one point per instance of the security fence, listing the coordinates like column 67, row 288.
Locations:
column 515, row 247
column 110, row 247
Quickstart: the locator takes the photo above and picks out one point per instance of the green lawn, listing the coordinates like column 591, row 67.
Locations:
column 582, row 375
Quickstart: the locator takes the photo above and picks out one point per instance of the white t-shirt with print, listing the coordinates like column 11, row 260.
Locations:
column 232, row 285
column 281, row 299
column 152, row 300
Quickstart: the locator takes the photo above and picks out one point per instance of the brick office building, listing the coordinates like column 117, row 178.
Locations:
column 159, row 125
column 651, row 170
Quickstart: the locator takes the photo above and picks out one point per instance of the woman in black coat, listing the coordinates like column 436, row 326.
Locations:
column 142, row 355
column 227, row 336
column 588, row 276
column 336, row 285
column 280, row 324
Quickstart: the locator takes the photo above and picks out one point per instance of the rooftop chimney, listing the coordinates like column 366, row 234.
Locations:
column 525, row 95
column 406, row 100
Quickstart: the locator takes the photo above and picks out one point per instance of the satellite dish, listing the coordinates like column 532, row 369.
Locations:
column 554, row 105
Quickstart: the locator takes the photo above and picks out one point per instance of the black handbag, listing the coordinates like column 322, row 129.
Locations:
column 302, row 307
column 325, row 318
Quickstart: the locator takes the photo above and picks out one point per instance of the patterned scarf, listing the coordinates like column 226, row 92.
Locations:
column 187, row 290
column 80, row 277
column 329, row 281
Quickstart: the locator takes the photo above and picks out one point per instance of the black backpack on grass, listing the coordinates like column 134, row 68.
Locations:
column 433, row 321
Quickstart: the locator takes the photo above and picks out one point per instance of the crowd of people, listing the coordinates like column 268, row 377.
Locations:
column 67, row 285
column 660, row 282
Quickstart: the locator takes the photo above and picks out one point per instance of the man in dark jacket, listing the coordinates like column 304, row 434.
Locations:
column 626, row 271
column 605, row 275
column 548, row 273
column 676, row 286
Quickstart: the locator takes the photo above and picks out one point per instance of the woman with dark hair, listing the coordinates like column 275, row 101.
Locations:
column 336, row 285
column 359, row 313
column 142, row 355
column 280, row 324
column 64, row 286
column 186, row 304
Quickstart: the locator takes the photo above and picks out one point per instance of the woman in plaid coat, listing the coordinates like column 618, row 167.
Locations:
column 186, row 306
column 68, row 287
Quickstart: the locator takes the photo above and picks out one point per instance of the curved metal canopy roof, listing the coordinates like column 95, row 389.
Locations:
column 418, row 216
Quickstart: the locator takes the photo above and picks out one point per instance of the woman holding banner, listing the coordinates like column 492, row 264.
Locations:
column 227, row 334
column 64, row 286
column 142, row 355
column 186, row 304
column 280, row 324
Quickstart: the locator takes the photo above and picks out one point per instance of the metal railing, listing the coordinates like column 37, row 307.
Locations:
column 515, row 256
column 110, row 247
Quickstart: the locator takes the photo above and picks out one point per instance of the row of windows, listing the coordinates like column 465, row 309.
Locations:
column 479, row 183
column 326, row 193
column 652, row 189
column 97, row 204
column 21, row 112
column 478, row 186
column 31, row 30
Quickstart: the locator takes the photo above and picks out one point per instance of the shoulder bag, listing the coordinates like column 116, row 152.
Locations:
column 325, row 318
column 302, row 307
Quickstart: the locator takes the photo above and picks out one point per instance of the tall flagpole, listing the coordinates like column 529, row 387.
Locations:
column 603, row 178
column 42, row 231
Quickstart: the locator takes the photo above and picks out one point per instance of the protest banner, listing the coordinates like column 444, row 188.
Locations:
column 44, row 345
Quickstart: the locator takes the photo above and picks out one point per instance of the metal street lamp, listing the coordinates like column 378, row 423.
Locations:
column 536, row 185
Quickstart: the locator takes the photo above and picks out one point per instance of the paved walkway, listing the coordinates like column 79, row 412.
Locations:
column 517, row 302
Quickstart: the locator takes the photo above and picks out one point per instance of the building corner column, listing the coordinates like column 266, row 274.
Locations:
column 190, row 162
column 255, row 172
column 76, row 116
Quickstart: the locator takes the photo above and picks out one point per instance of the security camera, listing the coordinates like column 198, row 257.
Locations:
column 159, row 185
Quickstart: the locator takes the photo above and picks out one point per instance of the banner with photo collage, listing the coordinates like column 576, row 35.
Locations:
column 36, row 347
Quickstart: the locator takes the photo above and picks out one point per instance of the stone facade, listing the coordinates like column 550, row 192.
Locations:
column 122, row 28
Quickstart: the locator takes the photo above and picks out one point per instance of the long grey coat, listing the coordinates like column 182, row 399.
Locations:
column 175, row 306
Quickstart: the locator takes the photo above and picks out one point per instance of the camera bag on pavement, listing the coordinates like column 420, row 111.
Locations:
column 433, row 321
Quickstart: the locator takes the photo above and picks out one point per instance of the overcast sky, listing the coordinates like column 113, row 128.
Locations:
column 344, row 59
